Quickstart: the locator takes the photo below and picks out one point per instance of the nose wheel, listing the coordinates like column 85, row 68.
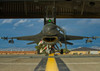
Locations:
column 61, row 51
column 52, row 51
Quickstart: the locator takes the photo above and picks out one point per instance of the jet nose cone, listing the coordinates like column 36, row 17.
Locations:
column 49, row 30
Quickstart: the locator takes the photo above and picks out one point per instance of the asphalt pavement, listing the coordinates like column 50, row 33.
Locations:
column 38, row 63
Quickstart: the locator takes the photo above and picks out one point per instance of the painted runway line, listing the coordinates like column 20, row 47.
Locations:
column 42, row 65
column 61, row 65
column 51, row 64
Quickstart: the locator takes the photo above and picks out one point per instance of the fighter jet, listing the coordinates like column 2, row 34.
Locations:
column 50, row 35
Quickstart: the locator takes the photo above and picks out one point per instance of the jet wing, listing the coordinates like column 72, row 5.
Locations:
column 35, row 38
column 70, row 37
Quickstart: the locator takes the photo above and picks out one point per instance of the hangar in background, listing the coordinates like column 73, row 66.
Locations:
column 84, row 51
column 37, row 8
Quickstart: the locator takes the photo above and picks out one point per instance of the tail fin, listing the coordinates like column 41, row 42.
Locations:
column 50, row 15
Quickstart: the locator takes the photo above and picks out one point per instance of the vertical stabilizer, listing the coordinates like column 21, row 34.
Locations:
column 50, row 15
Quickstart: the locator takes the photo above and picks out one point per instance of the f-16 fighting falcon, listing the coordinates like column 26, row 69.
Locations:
column 50, row 35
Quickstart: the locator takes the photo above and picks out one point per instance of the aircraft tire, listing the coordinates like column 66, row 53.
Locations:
column 52, row 51
column 61, row 52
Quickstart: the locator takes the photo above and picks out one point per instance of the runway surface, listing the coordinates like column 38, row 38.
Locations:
column 35, row 63
column 82, row 64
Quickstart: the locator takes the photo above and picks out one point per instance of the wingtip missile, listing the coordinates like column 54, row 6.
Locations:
column 5, row 38
column 95, row 37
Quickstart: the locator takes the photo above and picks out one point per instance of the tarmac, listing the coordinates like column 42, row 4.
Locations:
column 39, row 63
column 82, row 64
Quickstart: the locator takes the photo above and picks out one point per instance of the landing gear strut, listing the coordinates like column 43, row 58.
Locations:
column 61, row 51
